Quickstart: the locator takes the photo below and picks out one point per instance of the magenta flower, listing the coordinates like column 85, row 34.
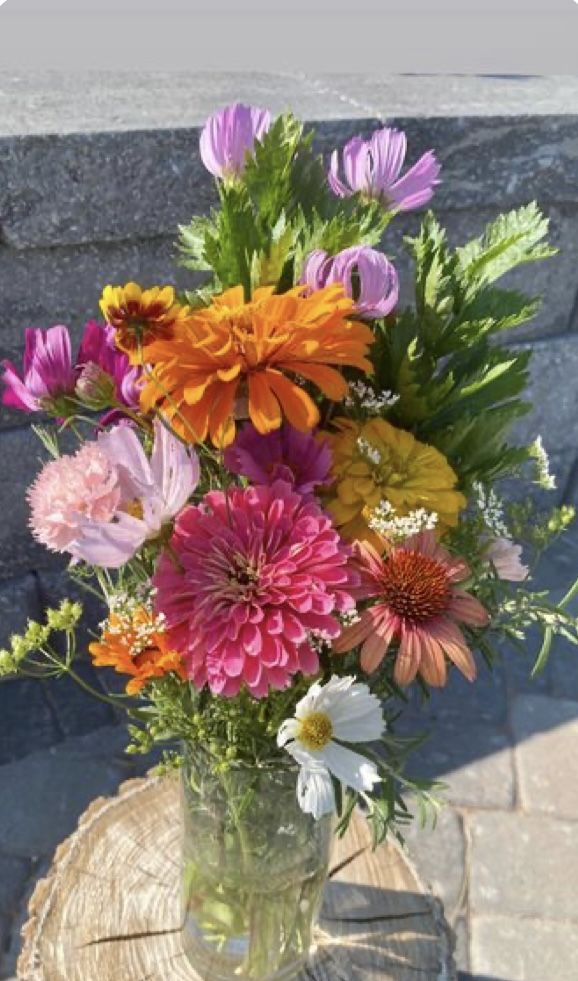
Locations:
column 286, row 454
column 373, row 168
column 251, row 577
column 97, row 347
column 368, row 277
column 48, row 375
column 229, row 136
column 102, row 503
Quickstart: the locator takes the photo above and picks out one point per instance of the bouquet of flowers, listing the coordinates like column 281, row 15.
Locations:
column 285, row 488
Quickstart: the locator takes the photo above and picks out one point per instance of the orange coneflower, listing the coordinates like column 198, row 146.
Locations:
column 136, row 644
column 141, row 316
column 260, row 351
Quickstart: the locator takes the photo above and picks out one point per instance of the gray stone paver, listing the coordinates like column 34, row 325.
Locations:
column 14, row 874
column 430, row 849
column 24, row 699
column 546, row 731
column 77, row 711
column 523, row 864
column 12, row 948
column 474, row 761
column 523, row 949
column 44, row 793
column 19, row 600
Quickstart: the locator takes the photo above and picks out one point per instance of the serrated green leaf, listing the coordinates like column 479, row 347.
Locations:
column 509, row 241
column 192, row 242
column 268, row 173
column 494, row 310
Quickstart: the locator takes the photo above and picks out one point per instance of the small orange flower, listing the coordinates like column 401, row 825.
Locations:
column 141, row 316
column 261, row 352
column 136, row 645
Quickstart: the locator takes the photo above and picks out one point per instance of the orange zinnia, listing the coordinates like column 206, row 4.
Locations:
column 136, row 645
column 232, row 350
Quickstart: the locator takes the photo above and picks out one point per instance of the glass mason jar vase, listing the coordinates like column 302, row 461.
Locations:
column 254, row 866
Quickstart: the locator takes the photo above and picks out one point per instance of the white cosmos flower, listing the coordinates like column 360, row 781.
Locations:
column 341, row 711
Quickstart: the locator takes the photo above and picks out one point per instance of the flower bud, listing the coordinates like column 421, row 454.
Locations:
column 95, row 388
column 229, row 136
column 367, row 276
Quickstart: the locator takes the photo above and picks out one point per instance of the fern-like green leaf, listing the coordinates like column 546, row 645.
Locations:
column 511, row 240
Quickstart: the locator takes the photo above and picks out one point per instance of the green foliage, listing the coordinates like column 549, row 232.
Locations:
column 511, row 240
column 457, row 390
column 269, row 221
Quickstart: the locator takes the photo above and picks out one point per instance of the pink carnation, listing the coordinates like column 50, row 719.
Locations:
column 70, row 490
column 250, row 578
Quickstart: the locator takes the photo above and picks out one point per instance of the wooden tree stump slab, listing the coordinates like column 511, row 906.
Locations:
column 109, row 908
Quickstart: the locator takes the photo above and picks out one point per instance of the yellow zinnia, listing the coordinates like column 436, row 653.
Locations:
column 375, row 462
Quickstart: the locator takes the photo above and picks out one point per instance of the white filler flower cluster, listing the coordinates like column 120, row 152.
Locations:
column 385, row 521
column 544, row 478
column 491, row 509
column 367, row 398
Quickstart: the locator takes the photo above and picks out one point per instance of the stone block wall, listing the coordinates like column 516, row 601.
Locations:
column 97, row 171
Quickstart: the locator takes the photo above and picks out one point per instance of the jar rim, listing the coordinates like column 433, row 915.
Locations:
column 274, row 763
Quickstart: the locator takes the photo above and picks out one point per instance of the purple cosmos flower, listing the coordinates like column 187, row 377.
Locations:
column 285, row 454
column 373, row 167
column 97, row 347
column 367, row 276
column 229, row 136
column 48, row 374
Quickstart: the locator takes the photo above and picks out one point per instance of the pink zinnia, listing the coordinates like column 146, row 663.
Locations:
column 250, row 577
column 420, row 606
column 286, row 454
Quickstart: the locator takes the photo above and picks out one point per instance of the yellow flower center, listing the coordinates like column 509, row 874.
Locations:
column 315, row 730
column 134, row 508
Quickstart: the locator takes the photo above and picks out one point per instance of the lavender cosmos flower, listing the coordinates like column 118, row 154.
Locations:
column 229, row 136
column 367, row 276
column 373, row 167
column 48, row 374
column 285, row 454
